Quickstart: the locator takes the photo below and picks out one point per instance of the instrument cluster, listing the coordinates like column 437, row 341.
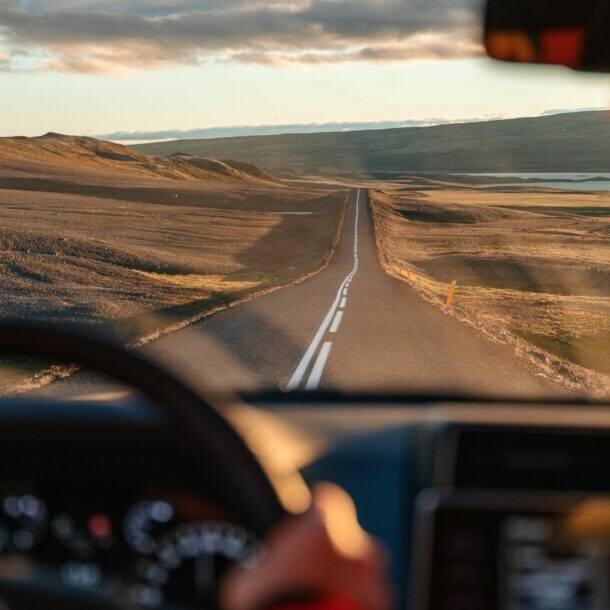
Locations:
column 166, row 549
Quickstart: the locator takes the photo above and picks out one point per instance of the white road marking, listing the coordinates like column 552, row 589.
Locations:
column 345, row 291
column 343, row 302
column 299, row 373
column 336, row 322
column 318, row 368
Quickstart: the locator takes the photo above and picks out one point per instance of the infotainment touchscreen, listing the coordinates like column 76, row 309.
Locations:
column 541, row 568
column 513, row 552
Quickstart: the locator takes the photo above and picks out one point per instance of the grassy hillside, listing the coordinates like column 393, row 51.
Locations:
column 93, row 232
column 570, row 142
column 57, row 154
column 533, row 265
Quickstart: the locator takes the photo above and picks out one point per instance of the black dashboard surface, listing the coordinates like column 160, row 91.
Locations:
column 103, row 500
column 97, row 463
column 391, row 453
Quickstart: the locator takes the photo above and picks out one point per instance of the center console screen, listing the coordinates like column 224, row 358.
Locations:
column 513, row 552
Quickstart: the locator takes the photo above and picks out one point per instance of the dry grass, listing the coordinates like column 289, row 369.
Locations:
column 56, row 154
column 528, row 265
column 217, row 283
column 92, row 232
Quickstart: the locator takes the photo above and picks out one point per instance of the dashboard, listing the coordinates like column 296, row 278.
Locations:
column 483, row 505
column 495, row 506
column 114, row 512
column 168, row 548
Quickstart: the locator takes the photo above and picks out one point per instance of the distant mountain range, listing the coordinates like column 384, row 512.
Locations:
column 565, row 142
column 268, row 130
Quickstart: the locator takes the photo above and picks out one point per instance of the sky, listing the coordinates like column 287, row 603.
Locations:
column 103, row 66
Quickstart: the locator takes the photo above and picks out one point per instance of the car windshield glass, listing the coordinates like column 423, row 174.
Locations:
column 305, row 196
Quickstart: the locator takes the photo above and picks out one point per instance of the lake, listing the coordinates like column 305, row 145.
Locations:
column 595, row 181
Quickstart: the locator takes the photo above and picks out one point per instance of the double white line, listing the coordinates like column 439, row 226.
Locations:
column 334, row 316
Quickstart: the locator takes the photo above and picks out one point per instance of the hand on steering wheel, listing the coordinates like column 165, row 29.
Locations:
column 323, row 556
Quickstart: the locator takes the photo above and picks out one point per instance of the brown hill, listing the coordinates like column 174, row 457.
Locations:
column 55, row 153
column 92, row 232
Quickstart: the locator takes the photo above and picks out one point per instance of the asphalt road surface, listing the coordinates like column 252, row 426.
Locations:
column 351, row 327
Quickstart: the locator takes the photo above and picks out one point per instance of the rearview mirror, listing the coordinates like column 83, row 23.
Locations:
column 573, row 33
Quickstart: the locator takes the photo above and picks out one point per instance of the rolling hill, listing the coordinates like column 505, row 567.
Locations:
column 54, row 154
column 92, row 232
column 570, row 142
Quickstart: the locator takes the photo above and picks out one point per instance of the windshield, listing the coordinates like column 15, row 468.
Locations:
column 305, row 196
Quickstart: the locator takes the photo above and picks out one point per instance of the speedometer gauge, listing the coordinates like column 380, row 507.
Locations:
column 23, row 523
column 188, row 561
column 145, row 522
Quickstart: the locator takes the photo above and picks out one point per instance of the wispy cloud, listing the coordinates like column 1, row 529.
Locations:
column 104, row 36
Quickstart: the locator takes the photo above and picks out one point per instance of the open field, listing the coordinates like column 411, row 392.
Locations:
column 535, row 265
column 570, row 142
column 91, row 232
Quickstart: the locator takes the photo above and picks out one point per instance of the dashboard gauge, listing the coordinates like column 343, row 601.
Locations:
column 83, row 547
column 23, row 523
column 83, row 536
column 187, row 563
column 145, row 522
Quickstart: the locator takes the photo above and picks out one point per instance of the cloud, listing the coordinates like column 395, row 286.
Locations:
column 419, row 46
column 88, row 36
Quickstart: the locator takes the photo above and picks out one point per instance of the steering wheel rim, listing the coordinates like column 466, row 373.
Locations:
column 250, row 484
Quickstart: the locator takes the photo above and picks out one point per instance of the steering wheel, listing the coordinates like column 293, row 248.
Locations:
column 194, row 418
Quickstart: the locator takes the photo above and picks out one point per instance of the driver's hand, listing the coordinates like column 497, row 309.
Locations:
column 323, row 553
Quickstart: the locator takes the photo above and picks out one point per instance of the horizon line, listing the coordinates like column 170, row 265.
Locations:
column 266, row 129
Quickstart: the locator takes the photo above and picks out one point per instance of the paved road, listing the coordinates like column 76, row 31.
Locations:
column 351, row 327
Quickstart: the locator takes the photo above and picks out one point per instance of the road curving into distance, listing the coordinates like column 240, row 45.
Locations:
column 352, row 328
